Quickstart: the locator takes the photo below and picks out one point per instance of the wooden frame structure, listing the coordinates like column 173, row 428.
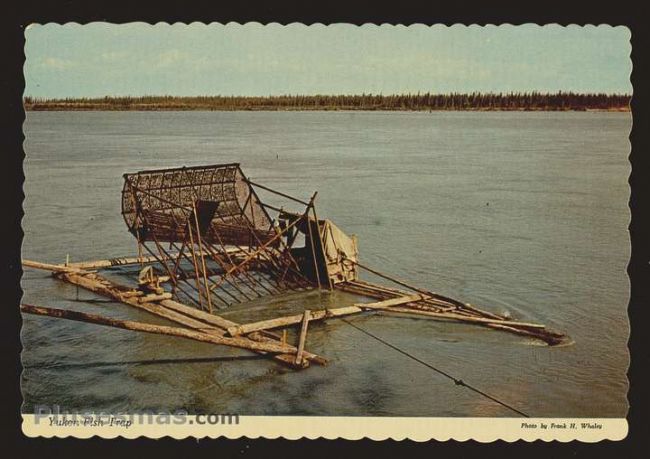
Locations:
column 211, row 242
column 227, row 248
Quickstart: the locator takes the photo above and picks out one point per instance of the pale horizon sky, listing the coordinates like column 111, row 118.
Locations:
column 101, row 59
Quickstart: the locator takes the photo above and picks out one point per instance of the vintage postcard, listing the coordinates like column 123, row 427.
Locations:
column 387, row 232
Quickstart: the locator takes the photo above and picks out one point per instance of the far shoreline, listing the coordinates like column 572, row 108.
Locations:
column 110, row 108
column 427, row 102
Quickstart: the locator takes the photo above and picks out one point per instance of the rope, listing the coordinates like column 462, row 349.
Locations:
column 458, row 382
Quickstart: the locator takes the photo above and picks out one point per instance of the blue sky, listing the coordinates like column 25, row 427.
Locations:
column 101, row 59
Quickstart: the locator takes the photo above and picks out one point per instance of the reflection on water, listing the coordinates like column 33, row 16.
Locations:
column 524, row 213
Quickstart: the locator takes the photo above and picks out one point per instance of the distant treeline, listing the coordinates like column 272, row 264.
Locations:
column 474, row 101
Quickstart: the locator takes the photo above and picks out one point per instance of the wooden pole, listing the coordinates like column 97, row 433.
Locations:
column 303, row 337
column 322, row 247
column 426, row 292
column 380, row 292
column 196, row 265
column 278, row 322
column 205, row 276
column 461, row 318
column 311, row 240
column 250, row 182
column 50, row 267
column 255, row 253
column 179, row 313
column 156, row 329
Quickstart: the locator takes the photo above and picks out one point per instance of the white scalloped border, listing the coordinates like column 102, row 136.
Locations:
column 483, row 430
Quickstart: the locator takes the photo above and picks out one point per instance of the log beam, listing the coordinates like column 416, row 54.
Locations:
column 155, row 329
column 462, row 318
column 303, row 337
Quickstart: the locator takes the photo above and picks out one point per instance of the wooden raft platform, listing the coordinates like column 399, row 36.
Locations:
column 207, row 235
column 258, row 336
column 197, row 325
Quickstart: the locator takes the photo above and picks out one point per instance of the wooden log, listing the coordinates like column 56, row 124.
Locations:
column 375, row 290
column 184, row 315
column 223, row 323
column 106, row 263
column 461, row 318
column 203, row 316
column 322, row 246
column 311, row 240
column 303, row 337
column 150, row 328
column 392, row 302
column 155, row 297
column 286, row 321
column 551, row 338
column 123, row 261
column 278, row 322
column 359, row 289
column 50, row 267
column 426, row 292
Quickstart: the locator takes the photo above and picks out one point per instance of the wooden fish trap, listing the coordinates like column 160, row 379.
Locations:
column 207, row 241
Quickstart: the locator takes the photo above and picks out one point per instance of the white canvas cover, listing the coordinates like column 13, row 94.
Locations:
column 338, row 246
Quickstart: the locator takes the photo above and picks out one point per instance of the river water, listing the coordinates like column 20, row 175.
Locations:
column 524, row 213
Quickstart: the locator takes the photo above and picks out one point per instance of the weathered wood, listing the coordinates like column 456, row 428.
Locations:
column 359, row 289
column 461, row 318
column 279, row 322
column 203, row 316
column 124, row 261
column 206, row 322
column 311, row 240
column 179, row 313
column 156, row 329
column 392, row 302
column 50, row 267
column 330, row 285
column 255, row 253
column 426, row 292
column 155, row 297
column 250, row 182
column 303, row 337
column 551, row 338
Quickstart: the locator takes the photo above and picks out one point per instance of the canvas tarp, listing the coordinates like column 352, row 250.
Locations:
column 337, row 247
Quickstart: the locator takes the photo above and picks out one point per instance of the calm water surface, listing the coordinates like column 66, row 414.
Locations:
column 524, row 213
